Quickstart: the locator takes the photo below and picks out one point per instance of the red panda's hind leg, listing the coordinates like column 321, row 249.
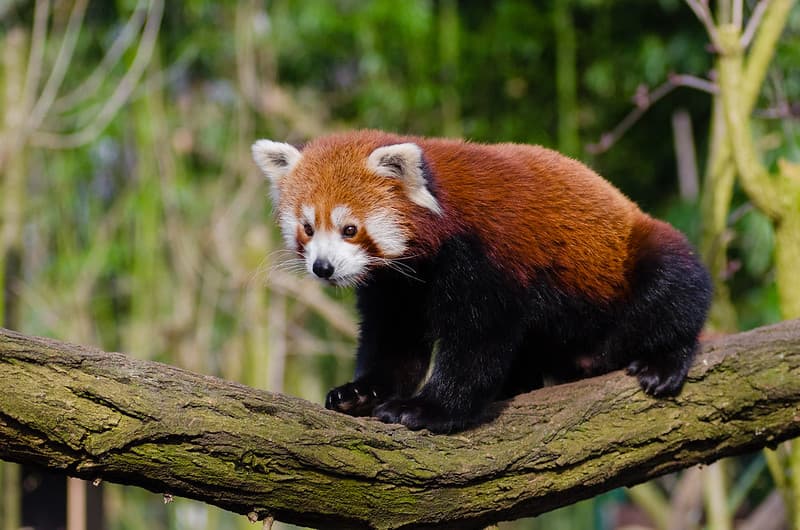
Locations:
column 656, row 335
column 667, row 379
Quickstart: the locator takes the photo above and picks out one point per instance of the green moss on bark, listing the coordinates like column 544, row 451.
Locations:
column 103, row 415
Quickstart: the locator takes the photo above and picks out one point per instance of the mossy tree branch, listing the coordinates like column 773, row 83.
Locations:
column 104, row 415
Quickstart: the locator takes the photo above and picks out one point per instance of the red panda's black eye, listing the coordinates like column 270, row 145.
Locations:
column 308, row 229
column 349, row 231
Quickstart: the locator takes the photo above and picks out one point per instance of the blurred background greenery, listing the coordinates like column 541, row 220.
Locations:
column 132, row 218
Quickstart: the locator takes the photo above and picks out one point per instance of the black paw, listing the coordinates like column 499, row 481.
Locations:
column 356, row 399
column 657, row 380
column 418, row 413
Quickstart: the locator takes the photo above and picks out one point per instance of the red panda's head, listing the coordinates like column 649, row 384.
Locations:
column 346, row 206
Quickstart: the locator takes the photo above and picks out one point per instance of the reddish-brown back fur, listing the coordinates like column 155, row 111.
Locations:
column 531, row 207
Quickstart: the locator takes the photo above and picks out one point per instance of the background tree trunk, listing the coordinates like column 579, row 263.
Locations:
column 106, row 416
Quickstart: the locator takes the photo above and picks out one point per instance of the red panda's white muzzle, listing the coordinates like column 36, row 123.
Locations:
column 331, row 258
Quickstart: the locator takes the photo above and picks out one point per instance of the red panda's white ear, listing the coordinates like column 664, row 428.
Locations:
column 275, row 159
column 404, row 162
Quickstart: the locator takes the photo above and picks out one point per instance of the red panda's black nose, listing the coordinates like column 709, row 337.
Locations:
column 323, row 268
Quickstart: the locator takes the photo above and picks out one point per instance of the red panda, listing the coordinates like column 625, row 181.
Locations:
column 514, row 262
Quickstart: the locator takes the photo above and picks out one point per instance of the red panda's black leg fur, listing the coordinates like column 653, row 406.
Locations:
column 497, row 339
column 656, row 333
column 479, row 317
column 393, row 351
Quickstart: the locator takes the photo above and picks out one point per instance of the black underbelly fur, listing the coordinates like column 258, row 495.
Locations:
column 495, row 338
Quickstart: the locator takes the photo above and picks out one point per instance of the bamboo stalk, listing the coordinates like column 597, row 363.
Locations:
column 11, row 502
column 714, row 488
column 149, row 290
column 449, row 50
column 653, row 502
column 76, row 504
column 714, row 207
column 566, row 49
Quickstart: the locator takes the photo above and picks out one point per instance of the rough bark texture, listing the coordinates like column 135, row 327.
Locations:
column 104, row 415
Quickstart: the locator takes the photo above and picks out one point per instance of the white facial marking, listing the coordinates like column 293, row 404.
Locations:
column 339, row 216
column 308, row 214
column 288, row 225
column 404, row 162
column 349, row 261
column 385, row 231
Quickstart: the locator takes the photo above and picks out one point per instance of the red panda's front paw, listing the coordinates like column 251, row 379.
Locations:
column 356, row 399
column 417, row 413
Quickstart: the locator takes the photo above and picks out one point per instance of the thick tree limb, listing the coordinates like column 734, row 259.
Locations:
column 105, row 415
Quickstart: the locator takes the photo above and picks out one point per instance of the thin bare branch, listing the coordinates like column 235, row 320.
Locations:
column 33, row 72
column 157, row 80
column 738, row 13
column 685, row 156
column 63, row 60
column 92, row 83
column 781, row 111
column 643, row 100
column 703, row 13
column 752, row 24
column 121, row 94
column 310, row 294
column 762, row 50
column 249, row 81
column 691, row 81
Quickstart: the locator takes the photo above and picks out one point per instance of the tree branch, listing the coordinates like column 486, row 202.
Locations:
column 754, row 176
column 104, row 415
column 766, row 35
column 703, row 14
column 643, row 100
column 753, row 23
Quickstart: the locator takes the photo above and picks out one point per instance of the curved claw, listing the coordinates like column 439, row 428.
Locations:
column 657, row 381
column 418, row 413
column 356, row 399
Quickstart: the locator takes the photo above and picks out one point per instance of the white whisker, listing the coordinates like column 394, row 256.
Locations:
column 402, row 268
column 282, row 260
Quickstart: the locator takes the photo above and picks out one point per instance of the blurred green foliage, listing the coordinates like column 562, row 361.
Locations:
column 151, row 238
